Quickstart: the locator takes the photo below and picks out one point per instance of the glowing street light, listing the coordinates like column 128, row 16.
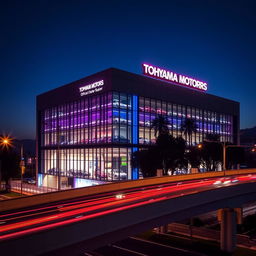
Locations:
column 5, row 142
column 200, row 146
column 225, row 147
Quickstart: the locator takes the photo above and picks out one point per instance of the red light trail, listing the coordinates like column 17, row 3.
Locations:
column 42, row 218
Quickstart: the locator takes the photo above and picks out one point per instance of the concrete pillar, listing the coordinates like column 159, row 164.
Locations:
column 228, row 230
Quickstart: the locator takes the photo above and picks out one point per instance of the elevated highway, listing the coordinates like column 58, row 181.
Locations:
column 68, row 224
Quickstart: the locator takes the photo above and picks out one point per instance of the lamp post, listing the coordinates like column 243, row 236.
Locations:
column 224, row 157
column 5, row 143
column 22, row 167
column 224, row 147
column 224, row 153
column 234, row 146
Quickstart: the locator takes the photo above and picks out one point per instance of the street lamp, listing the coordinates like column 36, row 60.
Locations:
column 22, row 167
column 224, row 149
column 234, row 146
column 224, row 146
column 200, row 146
column 5, row 143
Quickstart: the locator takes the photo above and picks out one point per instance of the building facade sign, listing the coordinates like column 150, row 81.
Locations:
column 173, row 77
column 91, row 88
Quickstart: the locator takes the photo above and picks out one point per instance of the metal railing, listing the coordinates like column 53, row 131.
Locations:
column 31, row 189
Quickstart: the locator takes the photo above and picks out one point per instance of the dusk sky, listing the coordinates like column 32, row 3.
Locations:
column 46, row 44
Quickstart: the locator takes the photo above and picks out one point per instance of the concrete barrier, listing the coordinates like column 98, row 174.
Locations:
column 28, row 201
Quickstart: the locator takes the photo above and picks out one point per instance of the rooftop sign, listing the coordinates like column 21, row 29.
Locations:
column 91, row 88
column 173, row 77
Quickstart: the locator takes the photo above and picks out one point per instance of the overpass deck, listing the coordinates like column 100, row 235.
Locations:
column 92, row 219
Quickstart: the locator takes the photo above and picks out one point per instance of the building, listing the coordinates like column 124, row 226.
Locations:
column 89, row 128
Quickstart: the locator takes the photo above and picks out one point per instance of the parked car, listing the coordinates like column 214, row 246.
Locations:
column 120, row 139
column 101, row 174
column 29, row 180
column 144, row 140
column 119, row 175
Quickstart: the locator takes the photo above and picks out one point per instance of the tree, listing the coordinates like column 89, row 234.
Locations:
column 165, row 144
column 171, row 152
column 194, row 157
column 250, row 159
column 179, row 160
column 9, row 165
column 167, row 154
column 235, row 155
column 147, row 160
column 188, row 127
column 211, row 154
column 160, row 125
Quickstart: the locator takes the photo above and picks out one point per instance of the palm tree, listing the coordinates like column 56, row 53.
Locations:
column 147, row 160
column 188, row 127
column 160, row 125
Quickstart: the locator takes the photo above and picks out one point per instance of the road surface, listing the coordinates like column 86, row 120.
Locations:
column 134, row 246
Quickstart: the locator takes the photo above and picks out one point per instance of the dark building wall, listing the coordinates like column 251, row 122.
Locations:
column 123, row 81
column 70, row 92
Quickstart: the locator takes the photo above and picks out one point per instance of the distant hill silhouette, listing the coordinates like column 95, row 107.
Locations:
column 248, row 136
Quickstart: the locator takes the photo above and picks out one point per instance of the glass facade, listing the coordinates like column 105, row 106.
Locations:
column 207, row 122
column 94, row 137
column 105, row 163
column 88, row 138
